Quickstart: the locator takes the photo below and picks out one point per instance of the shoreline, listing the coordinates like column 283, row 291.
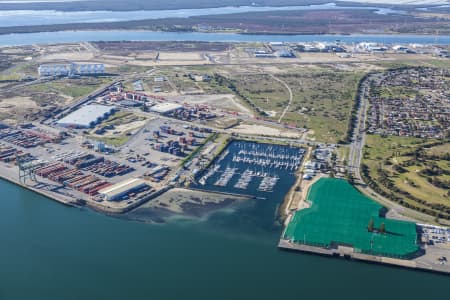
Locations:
column 222, row 193
column 250, row 20
column 286, row 245
column 419, row 261
column 85, row 27
column 52, row 196
column 98, row 6
column 71, row 200
column 17, row 40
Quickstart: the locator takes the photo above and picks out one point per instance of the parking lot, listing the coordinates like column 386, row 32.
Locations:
column 433, row 235
column 154, row 141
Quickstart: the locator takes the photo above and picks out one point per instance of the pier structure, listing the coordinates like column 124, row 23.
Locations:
column 340, row 222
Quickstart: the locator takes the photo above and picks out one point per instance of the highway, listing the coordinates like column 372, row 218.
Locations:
column 359, row 132
column 355, row 156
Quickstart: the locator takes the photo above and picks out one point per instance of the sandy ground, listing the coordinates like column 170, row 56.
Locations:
column 220, row 101
column 125, row 128
column 321, row 58
column 304, row 187
column 181, row 56
column 145, row 55
column 68, row 56
column 265, row 131
column 151, row 63
column 83, row 53
column 20, row 102
column 190, row 202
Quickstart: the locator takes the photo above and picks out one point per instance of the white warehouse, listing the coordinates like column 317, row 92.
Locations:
column 166, row 108
column 118, row 190
column 90, row 69
column 55, row 70
column 70, row 69
column 87, row 116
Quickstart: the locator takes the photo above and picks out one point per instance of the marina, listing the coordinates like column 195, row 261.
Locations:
column 210, row 173
column 268, row 183
column 268, row 160
column 226, row 176
column 245, row 179
column 253, row 168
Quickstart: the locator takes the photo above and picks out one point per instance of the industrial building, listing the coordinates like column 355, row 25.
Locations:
column 55, row 70
column 285, row 53
column 87, row 116
column 166, row 108
column 160, row 79
column 89, row 69
column 118, row 190
column 70, row 69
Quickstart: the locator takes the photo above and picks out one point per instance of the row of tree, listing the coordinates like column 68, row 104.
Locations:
column 433, row 209
column 223, row 81
column 352, row 122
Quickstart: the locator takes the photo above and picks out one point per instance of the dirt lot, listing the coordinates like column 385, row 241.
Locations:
column 265, row 130
column 221, row 101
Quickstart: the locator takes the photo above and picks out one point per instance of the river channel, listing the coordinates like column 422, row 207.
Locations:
column 18, row 39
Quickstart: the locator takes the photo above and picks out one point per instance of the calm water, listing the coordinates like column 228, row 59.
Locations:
column 46, row 17
column 286, row 175
column 49, row 251
column 117, row 35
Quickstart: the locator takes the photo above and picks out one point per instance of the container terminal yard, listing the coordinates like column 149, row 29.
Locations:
column 121, row 146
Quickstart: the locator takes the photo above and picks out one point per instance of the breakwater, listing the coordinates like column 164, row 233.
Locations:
column 348, row 253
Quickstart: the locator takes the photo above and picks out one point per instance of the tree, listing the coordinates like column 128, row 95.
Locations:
column 350, row 178
column 370, row 226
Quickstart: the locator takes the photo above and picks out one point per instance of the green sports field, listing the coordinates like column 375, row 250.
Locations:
column 340, row 214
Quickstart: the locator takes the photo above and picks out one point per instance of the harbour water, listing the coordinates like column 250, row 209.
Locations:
column 261, row 170
column 17, row 39
column 50, row 251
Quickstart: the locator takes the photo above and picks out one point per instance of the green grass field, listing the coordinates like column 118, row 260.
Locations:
column 112, row 141
column 340, row 215
column 322, row 98
column 411, row 171
column 74, row 88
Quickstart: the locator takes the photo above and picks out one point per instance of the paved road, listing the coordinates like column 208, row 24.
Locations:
column 355, row 156
column 359, row 134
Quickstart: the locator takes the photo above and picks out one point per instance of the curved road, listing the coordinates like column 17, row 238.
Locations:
column 291, row 96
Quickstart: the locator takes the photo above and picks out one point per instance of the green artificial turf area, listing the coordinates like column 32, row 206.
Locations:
column 340, row 215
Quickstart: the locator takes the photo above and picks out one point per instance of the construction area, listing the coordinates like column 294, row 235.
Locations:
column 340, row 216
